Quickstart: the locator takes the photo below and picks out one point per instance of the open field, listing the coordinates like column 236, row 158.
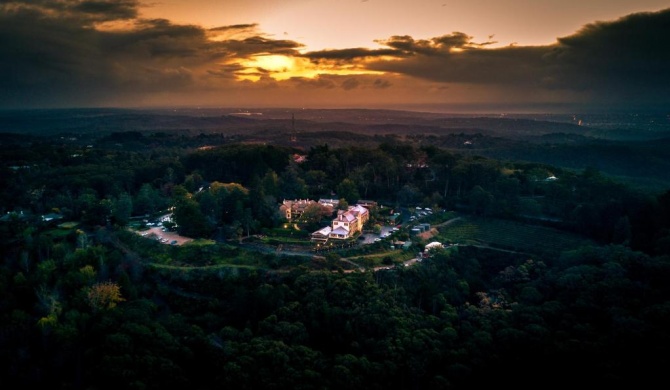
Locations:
column 509, row 235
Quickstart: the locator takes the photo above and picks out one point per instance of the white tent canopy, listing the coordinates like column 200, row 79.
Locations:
column 433, row 245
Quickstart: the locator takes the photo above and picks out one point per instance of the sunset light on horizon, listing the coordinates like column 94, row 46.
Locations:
column 130, row 53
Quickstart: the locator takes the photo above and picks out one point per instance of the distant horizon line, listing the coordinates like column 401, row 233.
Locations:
column 465, row 109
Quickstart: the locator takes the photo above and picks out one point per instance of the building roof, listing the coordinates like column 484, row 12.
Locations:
column 347, row 217
column 330, row 202
column 341, row 230
column 296, row 205
column 359, row 209
column 324, row 231
column 51, row 217
column 365, row 202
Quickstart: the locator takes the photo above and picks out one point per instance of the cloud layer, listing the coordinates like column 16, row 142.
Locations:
column 75, row 53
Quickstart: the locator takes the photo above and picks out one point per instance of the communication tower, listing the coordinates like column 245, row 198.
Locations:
column 293, row 133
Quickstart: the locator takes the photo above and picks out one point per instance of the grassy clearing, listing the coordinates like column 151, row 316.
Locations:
column 510, row 235
column 184, row 268
column 377, row 259
column 68, row 225
column 200, row 242
column 58, row 233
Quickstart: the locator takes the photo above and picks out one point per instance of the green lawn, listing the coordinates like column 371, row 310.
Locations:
column 377, row 259
column 509, row 235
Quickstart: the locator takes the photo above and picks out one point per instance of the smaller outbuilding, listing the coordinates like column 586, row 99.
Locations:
column 433, row 245
column 322, row 234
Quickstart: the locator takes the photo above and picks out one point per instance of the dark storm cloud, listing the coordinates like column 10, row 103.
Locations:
column 52, row 53
column 455, row 58
column 108, row 10
column 627, row 56
column 157, row 38
column 236, row 27
column 85, row 11
column 243, row 40
column 501, row 66
column 227, row 71
column 613, row 61
column 57, row 52
column 436, row 46
column 38, row 48
column 258, row 44
column 433, row 46
column 351, row 54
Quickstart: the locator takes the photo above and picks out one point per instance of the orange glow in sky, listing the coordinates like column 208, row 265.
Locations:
column 280, row 67
column 328, row 24
column 485, row 53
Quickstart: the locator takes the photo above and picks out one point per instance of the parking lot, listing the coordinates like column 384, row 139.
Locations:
column 165, row 237
column 371, row 238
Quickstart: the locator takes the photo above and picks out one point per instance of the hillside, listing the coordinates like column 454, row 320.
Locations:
column 634, row 152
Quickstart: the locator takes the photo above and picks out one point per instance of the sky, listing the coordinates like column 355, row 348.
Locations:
column 430, row 55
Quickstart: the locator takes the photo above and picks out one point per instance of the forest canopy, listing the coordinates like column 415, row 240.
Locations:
column 86, row 302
